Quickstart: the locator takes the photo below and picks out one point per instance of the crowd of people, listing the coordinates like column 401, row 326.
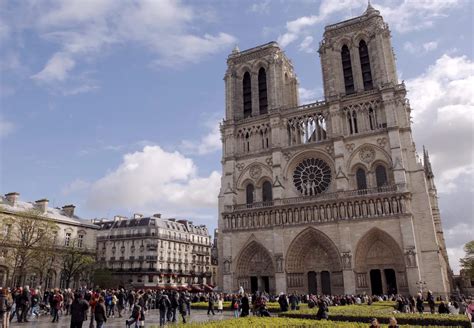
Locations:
column 96, row 306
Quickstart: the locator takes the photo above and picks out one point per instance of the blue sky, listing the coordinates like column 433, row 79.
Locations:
column 114, row 105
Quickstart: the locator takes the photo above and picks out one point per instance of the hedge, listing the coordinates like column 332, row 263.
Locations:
column 257, row 322
column 271, row 306
column 381, row 311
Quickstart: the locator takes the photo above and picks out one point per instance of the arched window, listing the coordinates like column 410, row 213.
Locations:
column 249, row 190
column 352, row 122
column 347, row 69
column 372, row 119
column 361, row 179
column 381, row 175
column 267, row 194
column 247, row 94
column 365, row 65
column 262, row 91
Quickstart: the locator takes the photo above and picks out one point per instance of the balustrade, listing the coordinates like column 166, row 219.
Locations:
column 351, row 205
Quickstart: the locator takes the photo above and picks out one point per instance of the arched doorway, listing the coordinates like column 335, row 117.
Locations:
column 379, row 264
column 313, row 264
column 255, row 270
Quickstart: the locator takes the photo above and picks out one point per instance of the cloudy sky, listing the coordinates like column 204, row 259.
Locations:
column 114, row 105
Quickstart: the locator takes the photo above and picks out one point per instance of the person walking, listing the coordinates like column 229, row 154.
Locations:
column 283, row 302
column 220, row 304
column 322, row 310
column 100, row 313
column 78, row 310
column 56, row 304
column 5, row 307
column 135, row 316
column 182, row 306
column 163, row 305
column 431, row 301
column 210, row 304
column 244, row 306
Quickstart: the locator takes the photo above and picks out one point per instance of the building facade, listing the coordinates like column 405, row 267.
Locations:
column 328, row 197
column 153, row 251
column 34, row 238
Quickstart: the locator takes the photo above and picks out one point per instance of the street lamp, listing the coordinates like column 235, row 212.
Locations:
column 421, row 284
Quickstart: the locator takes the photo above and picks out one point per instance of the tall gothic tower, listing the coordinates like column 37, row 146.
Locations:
column 327, row 197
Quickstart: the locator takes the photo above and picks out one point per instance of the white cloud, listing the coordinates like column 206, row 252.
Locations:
column 442, row 99
column 86, row 30
column 457, row 237
column 208, row 143
column 6, row 127
column 262, row 7
column 309, row 95
column 76, row 186
column 153, row 179
column 406, row 16
column 420, row 49
column 56, row 69
column 307, row 45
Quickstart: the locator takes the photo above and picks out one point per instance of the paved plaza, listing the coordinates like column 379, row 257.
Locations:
column 152, row 319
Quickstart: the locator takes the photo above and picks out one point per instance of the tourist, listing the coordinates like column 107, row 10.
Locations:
column 442, row 308
column 244, row 305
column 134, row 316
column 92, row 303
column 419, row 303
column 210, row 304
column 35, row 300
column 163, row 305
column 56, row 304
column 470, row 310
column 220, row 304
column 100, row 313
column 453, row 307
column 182, row 306
column 5, row 307
column 283, row 302
column 322, row 310
column 120, row 302
column 392, row 323
column 235, row 304
column 431, row 301
column 78, row 311
column 374, row 323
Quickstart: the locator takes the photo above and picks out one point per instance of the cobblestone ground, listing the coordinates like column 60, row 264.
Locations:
column 152, row 319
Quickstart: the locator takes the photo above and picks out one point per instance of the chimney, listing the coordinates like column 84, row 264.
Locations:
column 12, row 197
column 68, row 210
column 157, row 215
column 137, row 216
column 42, row 205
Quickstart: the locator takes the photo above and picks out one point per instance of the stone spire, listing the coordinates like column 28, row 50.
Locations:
column 236, row 49
column 370, row 9
column 427, row 164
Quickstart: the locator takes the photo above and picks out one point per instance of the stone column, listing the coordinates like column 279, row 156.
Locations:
column 255, row 102
column 318, row 283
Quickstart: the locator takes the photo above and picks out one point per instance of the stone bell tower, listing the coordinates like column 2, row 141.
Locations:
column 257, row 80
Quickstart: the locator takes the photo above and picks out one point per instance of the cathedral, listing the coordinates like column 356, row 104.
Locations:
column 328, row 197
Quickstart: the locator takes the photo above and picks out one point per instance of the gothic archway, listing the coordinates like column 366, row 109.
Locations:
column 379, row 264
column 255, row 270
column 313, row 251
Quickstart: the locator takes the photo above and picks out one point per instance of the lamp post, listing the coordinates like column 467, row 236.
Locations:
column 421, row 284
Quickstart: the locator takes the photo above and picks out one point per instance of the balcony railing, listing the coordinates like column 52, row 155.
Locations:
column 348, row 205
column 321, row 197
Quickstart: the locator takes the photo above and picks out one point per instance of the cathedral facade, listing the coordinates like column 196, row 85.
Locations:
column 328, row 197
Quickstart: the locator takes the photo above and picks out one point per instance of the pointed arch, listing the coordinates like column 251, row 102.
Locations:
column 377, row 249
column 262, row 91
column 347, row 69
column 308, row 239
column 365, row 65
column 247, row 94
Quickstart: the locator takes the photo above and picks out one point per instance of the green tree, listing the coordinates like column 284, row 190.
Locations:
column 467, row 263
column 76, row 261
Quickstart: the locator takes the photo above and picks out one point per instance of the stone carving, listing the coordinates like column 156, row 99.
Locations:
column 269, row 161
column 350, row 147
column 277, row 182
column 382, row 142
column 287, row 155
column 240, row 166
column 256, row 171
column 330, row 150
column 346, row 260
column 362, row 280
column 410, row 256
column 227, row 263
column 278, row 263
column 340, row 173
column 367, row 154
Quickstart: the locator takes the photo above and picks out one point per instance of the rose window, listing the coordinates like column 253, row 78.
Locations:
column 312, row 176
